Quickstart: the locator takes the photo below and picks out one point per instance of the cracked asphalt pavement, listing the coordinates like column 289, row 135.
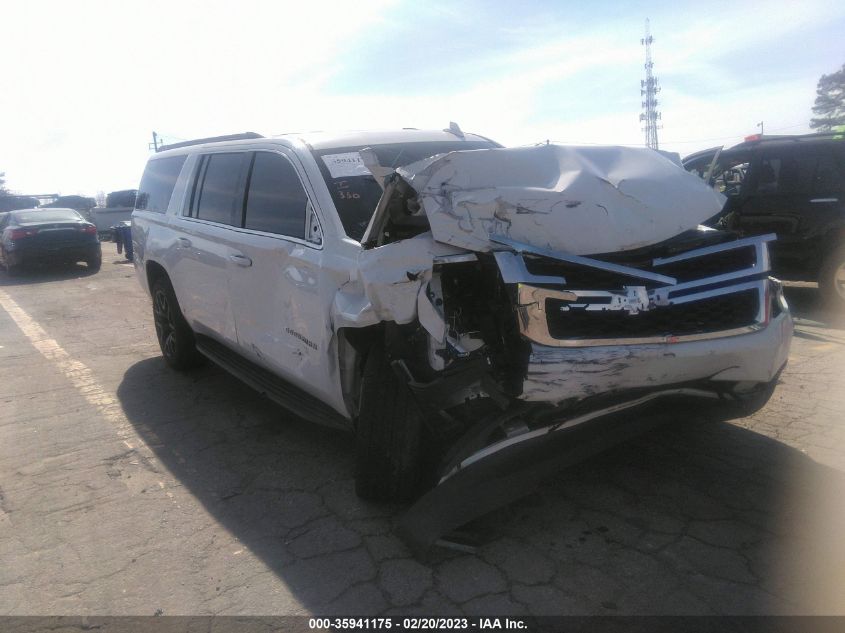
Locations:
column 129, row 489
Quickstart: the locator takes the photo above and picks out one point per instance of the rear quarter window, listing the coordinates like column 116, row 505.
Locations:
column 157, row 184
column 830, row 175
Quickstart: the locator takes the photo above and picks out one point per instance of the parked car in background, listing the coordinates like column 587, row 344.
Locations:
column 793, row 186
column 119, row 206
column 449, row 300
column 11, row 203
column 82, row 204
column 33, row 236
column 123, row 198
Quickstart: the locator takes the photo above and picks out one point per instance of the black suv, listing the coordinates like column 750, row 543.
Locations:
column 793, row 186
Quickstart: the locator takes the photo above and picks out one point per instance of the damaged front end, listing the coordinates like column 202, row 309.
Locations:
column 666, row 320
column 527, row 311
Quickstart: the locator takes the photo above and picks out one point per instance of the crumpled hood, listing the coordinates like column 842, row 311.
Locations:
column 579, row 200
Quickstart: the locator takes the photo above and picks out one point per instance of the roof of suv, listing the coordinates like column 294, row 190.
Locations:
column 786, row 139
column 327, row 140
column 769, row 140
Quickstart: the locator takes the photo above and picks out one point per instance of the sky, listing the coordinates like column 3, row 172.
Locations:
column 83, row 84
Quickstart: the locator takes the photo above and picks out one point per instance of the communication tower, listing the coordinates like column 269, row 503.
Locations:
column 649, row 87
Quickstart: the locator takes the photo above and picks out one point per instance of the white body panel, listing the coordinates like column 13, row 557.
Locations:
column 279, row 308
column 200, row 270
column 577, row 200
column 275, row 311
column 281, row 294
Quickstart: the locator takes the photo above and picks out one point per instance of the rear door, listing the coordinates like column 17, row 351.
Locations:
column 776, row 197
column 794, row 192
column 826, row 206
column 279, row 295
column 205, row 244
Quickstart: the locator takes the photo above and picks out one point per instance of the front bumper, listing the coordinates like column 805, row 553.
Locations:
column 556, row 374
column 480, row 478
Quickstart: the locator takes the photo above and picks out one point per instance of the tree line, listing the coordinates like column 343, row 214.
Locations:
column 829, row 107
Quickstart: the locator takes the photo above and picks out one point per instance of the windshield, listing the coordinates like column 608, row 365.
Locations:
column 53, row 215
column 355, row 191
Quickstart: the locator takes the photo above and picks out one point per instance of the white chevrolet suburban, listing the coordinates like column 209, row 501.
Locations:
column 445, row 298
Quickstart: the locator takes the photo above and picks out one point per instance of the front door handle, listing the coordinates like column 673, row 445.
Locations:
column 825, row 200
column 183, row 242
column 241, row 260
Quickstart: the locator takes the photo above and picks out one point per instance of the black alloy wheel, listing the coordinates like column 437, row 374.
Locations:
column 175, row 337
column 165, row 326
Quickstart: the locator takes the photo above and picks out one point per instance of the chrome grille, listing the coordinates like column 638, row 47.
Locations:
column 715, row 290
column 718, row 313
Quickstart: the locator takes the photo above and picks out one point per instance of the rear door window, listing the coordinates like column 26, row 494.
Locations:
column 829, row 175
column 276, row 201
column 218, row 195
column 157, row 184
column 785, row 172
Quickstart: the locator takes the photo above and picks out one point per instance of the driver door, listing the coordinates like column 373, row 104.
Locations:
column 280, row 293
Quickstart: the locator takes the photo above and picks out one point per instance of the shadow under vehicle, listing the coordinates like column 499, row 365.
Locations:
column 697, row 516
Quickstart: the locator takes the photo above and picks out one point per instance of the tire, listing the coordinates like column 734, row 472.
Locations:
column 175, row 337
column 11, row 269
column 746, row 404
column 832, row 279
column 752, row 402
column 94, row 264
column 388, row 434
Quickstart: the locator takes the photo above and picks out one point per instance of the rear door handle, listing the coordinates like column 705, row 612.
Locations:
column 241, row 260
column 825, row 200
column 183, row 242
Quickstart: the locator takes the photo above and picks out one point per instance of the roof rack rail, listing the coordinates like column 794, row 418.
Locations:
column 211, row 139
column 812, row 136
